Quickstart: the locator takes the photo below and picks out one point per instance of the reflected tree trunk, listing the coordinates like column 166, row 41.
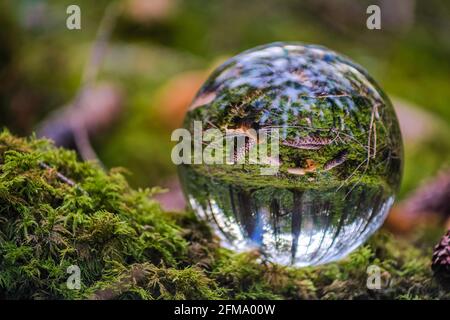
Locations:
column 297, row 210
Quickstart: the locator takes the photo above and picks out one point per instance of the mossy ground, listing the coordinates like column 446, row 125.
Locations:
column 127, row 247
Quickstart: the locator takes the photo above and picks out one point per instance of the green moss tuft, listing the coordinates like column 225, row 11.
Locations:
column 56, row 212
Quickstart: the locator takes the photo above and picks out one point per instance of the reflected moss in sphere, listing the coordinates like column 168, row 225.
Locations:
column 340, row 154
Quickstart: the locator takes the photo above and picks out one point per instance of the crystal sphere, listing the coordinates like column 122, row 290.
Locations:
column 338, row 162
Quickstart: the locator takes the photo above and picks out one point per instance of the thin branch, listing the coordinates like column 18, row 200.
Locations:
column 90, row 73
column 101, row 43
column 62, row 177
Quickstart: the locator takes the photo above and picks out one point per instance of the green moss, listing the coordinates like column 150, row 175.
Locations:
column 128, row 248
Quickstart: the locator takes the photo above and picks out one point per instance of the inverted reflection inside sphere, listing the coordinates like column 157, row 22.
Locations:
column 339, row 155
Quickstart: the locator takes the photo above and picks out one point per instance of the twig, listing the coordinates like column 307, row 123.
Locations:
column 62, row 177
column 101, row 43
column 351, row 175
column 370, row 135
column 374, row 140
column 371, row 152
column 90, row 73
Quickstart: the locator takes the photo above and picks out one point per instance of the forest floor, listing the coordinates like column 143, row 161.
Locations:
column 56, row 212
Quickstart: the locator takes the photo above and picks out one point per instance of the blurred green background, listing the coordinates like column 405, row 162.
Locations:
column 161, row 51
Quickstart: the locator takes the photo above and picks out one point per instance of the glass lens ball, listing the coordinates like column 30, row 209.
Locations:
column 338, row 161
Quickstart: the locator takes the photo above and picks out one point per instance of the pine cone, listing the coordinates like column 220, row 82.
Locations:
column 441, row 258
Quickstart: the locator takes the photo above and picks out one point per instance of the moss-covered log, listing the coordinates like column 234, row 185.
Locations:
column 56, row 212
